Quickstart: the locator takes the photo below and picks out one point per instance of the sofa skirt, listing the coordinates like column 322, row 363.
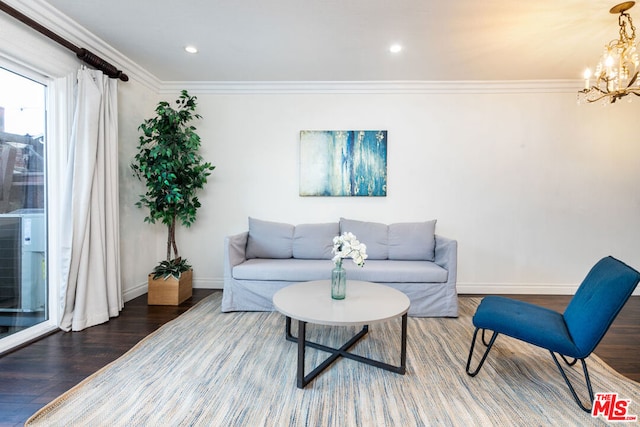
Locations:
column 427, row 299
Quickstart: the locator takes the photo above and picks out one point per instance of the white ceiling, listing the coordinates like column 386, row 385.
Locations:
column 348, row 40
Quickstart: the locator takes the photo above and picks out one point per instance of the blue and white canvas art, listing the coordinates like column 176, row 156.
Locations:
column 343, row 163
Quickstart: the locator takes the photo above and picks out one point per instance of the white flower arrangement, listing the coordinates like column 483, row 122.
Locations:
column 348, row 246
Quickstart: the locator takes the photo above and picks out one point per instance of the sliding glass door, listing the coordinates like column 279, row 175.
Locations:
column 23, row 239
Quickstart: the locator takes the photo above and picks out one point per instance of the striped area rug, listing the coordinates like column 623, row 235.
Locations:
column 236, row 369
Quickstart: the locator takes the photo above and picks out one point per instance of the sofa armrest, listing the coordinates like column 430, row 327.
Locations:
column 447, row 257
column 235, row 248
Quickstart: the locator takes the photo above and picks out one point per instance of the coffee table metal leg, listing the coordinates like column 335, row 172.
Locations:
column 403, row 346
column 302, row 334
column 302, row 342
column 288, row 334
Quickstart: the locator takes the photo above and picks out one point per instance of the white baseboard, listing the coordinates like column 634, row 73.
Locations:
column 142, row 288
column 208, row 283
column 463, row 288
column 517, row 288
column 135, row 292
column 521, row 288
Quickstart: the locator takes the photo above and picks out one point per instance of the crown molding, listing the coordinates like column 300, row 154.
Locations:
column 50, row 17
column 374, row 87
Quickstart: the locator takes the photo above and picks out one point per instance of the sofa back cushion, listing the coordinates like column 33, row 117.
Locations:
column 314, row 241
column 412, row 241
column 269, row 239
column 373, row 234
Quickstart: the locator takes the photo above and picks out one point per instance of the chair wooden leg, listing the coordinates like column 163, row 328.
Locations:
column 571, row 388
column 486, row 352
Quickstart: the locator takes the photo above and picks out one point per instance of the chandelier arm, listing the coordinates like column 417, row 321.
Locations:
column 599, row 82
column 602, row 96
column 596, row 100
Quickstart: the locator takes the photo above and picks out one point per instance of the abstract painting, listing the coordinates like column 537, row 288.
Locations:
column 343, row 163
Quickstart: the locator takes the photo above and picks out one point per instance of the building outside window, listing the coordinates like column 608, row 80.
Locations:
column 23, row 238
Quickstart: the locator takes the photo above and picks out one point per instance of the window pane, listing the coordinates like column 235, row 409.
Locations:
column 23, row 296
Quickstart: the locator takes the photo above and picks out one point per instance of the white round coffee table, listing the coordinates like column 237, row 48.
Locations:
column 366, row 303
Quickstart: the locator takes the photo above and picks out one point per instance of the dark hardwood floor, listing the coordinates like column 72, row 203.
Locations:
column 34, row 375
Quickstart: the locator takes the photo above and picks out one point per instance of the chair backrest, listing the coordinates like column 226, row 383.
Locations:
column 598, row 301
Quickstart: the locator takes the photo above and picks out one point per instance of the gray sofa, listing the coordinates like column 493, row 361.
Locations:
column 407, row 256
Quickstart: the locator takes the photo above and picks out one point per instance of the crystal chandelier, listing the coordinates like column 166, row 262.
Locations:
column 616, row 75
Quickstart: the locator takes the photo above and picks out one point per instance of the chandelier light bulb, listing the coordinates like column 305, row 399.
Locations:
column 609, row 61
column 587, row 77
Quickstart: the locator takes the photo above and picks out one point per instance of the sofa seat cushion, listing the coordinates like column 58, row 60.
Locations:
column 301, row 270
column 392, row 271
column 288, row 270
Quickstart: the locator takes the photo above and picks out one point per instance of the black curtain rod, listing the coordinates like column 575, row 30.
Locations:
column 82, row 53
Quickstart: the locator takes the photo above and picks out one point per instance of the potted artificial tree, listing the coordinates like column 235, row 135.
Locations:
column 172, row 170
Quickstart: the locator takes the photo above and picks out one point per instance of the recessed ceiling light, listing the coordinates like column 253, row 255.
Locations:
column 191, row 49
column 395, row 48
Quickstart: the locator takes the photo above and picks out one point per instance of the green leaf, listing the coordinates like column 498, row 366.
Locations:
column 174, row 267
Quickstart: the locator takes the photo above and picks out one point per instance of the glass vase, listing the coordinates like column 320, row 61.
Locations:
column 338, row 283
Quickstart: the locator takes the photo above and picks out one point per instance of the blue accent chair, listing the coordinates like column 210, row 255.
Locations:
column 573, row 334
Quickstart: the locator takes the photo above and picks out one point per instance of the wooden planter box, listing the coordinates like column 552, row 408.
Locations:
column 170, row 291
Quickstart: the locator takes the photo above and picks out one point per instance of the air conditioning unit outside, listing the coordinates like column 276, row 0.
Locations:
column 22, row 261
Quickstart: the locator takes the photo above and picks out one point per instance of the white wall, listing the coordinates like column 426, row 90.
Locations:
column 140, row 243
column 534, row 188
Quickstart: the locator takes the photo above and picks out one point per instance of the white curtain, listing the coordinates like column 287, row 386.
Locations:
column 91, row 290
